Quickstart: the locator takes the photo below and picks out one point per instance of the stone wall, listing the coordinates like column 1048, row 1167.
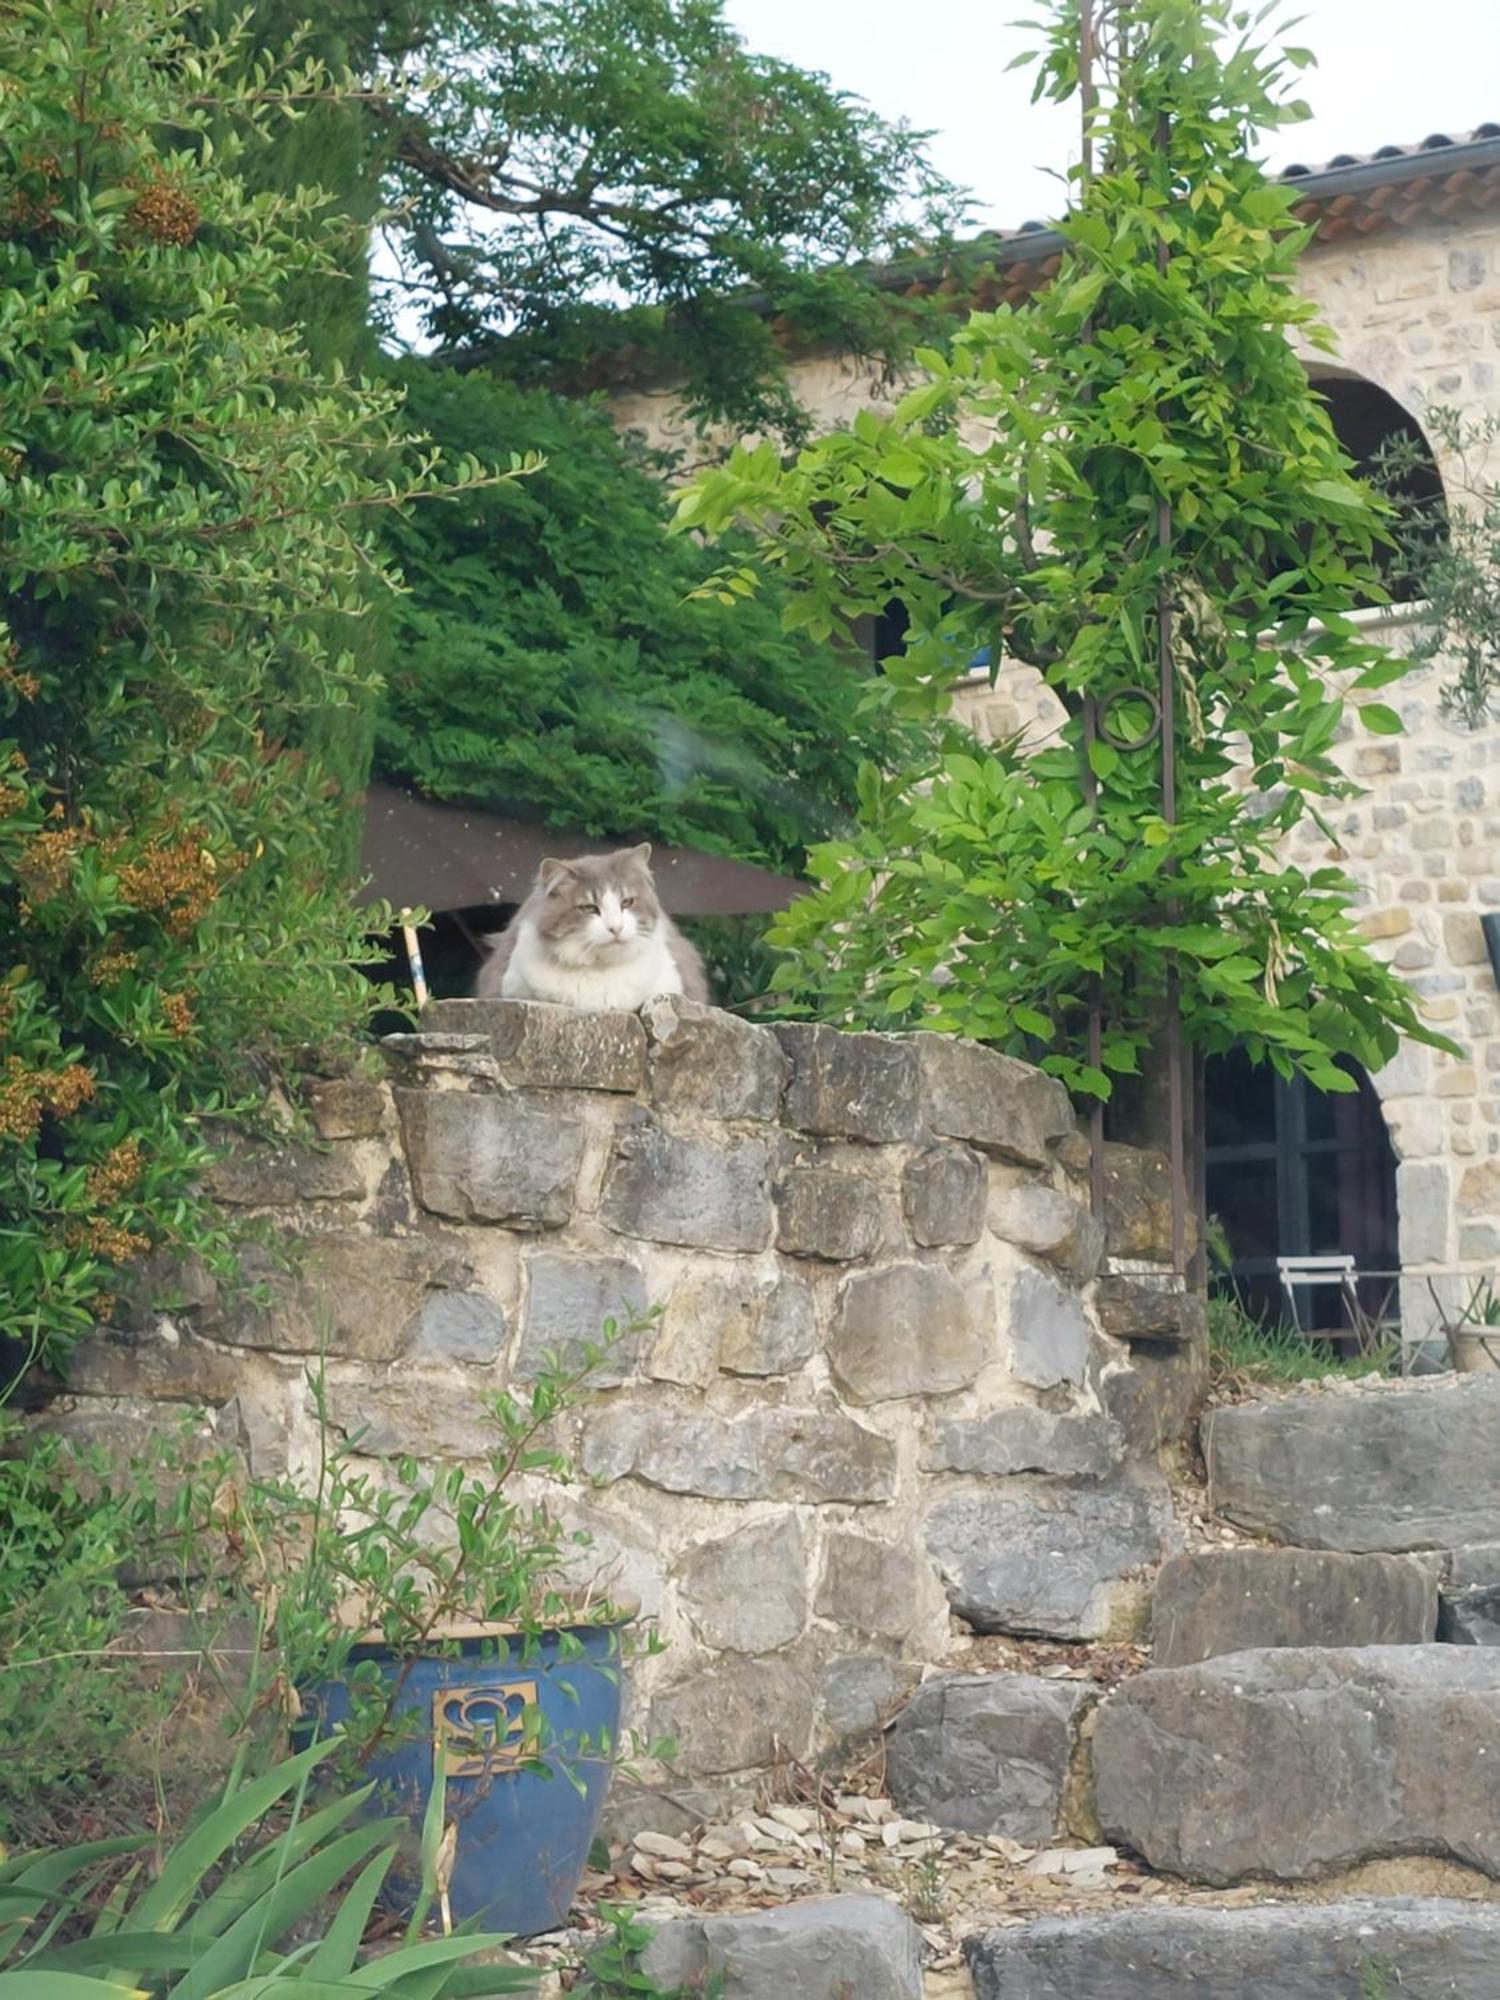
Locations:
column 894, row 1376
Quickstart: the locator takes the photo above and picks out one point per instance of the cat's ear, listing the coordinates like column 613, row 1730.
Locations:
column 551, row 873
column 641, row 854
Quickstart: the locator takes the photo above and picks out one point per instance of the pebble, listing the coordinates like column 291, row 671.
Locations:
column 851, row 1844
column 871, row 1811
column 797, row 1818
column 788, row 1878
column 673, row 1871
column 662, row 1846
column 746, row 1869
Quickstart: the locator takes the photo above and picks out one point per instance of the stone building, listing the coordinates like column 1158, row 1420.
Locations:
column 1405, row 267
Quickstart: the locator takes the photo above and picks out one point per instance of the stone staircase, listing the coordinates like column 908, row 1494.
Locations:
column 1321, row 1712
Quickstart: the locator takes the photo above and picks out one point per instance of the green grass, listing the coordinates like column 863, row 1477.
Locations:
column 1243, row 1349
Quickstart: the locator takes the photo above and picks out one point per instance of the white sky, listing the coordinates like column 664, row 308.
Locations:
column 1389, row 71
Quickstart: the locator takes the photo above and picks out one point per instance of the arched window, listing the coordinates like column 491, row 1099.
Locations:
column 1366, row 420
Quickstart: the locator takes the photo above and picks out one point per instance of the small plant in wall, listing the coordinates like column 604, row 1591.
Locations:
column 428, row 1613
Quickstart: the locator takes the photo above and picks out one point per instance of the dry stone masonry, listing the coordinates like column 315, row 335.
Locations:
column 877, row 1392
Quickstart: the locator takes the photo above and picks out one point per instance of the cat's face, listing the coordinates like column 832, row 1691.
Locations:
column 598, row 908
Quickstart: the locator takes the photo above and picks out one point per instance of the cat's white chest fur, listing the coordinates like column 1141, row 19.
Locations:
column 626, row 983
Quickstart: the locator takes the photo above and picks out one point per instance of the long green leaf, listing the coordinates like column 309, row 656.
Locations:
column 123, row 1951
column 339, row 1949
column 192, row 1859
column 478, row 1982
column 432, row 1840
column 38, row 1879
column 64, row 1986
column 246, row 1884
column 233, row 1955
column 382, row 1972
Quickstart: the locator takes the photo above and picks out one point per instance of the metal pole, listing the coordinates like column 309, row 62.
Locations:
column 1088, row 98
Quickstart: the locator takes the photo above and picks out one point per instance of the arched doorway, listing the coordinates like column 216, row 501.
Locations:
column 1296, row 1172
column 1367, row 421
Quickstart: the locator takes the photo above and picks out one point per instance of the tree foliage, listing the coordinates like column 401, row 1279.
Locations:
column 184, row 501
column 559, row 160
column 552, row 663
column 1014, row 499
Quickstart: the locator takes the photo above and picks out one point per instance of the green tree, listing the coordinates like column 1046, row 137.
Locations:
column 551, row 661
column 1140, row 441
column 184, row 499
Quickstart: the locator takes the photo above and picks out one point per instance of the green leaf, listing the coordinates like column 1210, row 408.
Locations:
column 1378, row 719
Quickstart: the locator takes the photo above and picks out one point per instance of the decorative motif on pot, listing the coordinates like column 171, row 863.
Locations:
column 480, row 1730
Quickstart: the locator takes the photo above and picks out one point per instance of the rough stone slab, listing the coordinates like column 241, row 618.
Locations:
column 986, row 1753
column 704, row 1060
column 357, row 1297
column 909, row 1330
column 1049, row 1224
column 1020, row 1438
column 541, row 1047
column 259, row 1173
column 433, row 1415
column 1156, row 1398
column 1049, row 1331
column 483, row 1157
column 1135, row 1308
column 1001, row 1105
column 1409, row 1465
column 747, row 1592
column 1407, row 1950
column 344, row 1107
column 459, row 1326
column 1470, row 1617
column 1042, row 1560
column 736, row 1716
column 943, row 1192
column 826, row 1948
column 1297, row 1763
column 860, row 1692
column 686, row 1191
column 1216, row 1601
column 821, row 1212
column 766, row 1454
column 850, row 1086
column 769, row 1329
column 1475, row 1566
column 1138, row 1204
column 569, row 1297
column 114, row 1362
column 875, row 1586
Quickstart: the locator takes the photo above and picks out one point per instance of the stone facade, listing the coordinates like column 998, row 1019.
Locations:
column 1415, row 310
column 871, row 1366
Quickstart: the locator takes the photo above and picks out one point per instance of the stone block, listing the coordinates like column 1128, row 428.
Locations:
column 541, row 1047
column 1464, row 940
column 747, row 1592
column 435, row 1415
column 1045, row 1560
column 1018, row 1437
column 1049, row 1224
column 1136, row 1307
column 262, row 1173
column 355, row 1297
column 850, row 1086
column 1003, row 1106
column 1155, row 1399
column 1138, row 1205
column 1470, row 1617
column 115, row 1362
column 459, row 1326
column 1216, row 1601
column 736, row 1716
column 569, row 1296
column 876, row 1587
column 776, row 1453
column 1479, row 1190
column 344, row 1107
column 824, row 1948
column 909, row 1330
column 860, row 1692
column 821, row 1212
column 686, row 1191
column 483, row 1157
column 1429, row 1950
column 1405, row 1465
column 1424, row 1201
column 1295, row 1764
column 768, row 1329
column 1049, row 1331
column 943, row 1193
column 706, row 1061
column 987, row 1753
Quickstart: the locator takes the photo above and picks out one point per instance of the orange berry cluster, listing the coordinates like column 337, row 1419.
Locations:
column 26, row 1093
column 165, row 214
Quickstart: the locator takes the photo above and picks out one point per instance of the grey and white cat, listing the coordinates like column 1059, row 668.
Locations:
column 593, row 934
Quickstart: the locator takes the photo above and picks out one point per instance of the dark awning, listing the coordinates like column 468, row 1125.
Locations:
column 417, row 854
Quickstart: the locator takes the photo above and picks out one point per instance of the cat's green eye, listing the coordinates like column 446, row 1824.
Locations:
column 627, row 902
column 592, row 906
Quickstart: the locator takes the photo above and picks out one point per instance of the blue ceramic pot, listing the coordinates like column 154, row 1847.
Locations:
column 523, row 1835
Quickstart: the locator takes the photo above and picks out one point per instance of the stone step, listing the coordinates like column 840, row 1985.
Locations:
column 987, row 1753
column 1376, row 1950
column 1294, row 1764
column 1215, row 1601
column 1385, row 1466
column 827, row 1948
